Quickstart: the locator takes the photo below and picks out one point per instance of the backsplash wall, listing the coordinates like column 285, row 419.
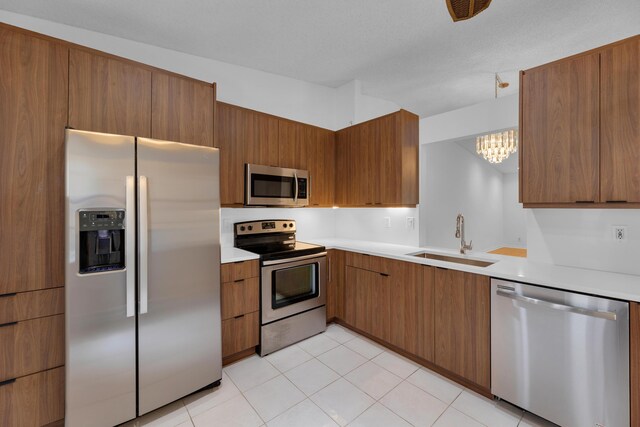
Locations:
column 314, row 223
column 584, row 238
column 369, row 224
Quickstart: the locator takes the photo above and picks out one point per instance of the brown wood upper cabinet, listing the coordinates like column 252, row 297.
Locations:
column 620, row 122
column 33, row 114
column 108, row 95
column 462, row 325
column 580, row 129
column 182, row 109
column 377, row 162
column 247, row 136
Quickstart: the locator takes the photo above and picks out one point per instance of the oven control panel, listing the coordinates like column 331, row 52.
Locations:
column 265, row 226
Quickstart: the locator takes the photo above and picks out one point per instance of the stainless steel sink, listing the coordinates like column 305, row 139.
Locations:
column 448, row 258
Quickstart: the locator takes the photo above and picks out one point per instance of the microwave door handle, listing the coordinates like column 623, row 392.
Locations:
column 295, row 180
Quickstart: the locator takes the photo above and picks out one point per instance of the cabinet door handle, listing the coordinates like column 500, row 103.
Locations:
column 8, row 324
column 238, row 281
column 585, row 201
column 239, row 317
column 12, row 294
column 616, row 201
column 384, row 274
column 7, row 382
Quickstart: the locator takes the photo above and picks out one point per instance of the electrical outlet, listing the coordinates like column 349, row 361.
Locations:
column 411, row 222
column 619, row 233
column 387, row 222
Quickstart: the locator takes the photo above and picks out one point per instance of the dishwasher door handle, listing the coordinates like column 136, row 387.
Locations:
column 555, row 306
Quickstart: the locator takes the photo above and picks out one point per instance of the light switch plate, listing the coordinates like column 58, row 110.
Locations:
column 411, row 222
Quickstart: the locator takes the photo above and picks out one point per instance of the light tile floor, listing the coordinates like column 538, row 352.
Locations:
column 336, row 378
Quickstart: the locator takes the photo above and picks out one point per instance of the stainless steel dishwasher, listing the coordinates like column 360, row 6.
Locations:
column 561, row 355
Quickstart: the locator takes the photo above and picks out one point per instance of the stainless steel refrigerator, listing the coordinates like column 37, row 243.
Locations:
column 142, row 275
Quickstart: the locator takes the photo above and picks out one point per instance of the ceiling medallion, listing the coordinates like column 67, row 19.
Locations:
column 465, row 9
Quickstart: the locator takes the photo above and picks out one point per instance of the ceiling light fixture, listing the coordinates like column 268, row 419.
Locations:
column 497, row 147
column 465, row 9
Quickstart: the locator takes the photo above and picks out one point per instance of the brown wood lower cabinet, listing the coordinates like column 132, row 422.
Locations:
column 240, row 305
column 240, row 297
column 412, row 314
column 30, row 305
column 33, row 401
column 462, row 325
column 240, row 333
column 31, row 346
column 335, row 284
column 367, row 302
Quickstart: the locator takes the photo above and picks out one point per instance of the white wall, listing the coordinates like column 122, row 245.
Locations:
column 514, row 230
column 489, row 116
column 454, row 181
column 369, row 224
column 584, row 238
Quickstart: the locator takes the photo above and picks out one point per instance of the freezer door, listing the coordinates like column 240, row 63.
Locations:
column 179, row 327
column 100, row 306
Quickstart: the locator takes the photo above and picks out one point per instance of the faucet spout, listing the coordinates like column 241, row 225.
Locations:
column 464, row 247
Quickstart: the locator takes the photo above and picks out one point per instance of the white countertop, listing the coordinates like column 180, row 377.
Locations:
column 232, row 254
column 601, row 283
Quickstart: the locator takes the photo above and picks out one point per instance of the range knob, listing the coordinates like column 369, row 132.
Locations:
column 291, row 224
column 250, row 227
column 284, row 225
column 242, row 228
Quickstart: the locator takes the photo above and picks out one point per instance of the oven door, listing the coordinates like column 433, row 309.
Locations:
column 272, row 186
column 293, row 285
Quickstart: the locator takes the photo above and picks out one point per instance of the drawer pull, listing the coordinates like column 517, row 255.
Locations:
column 8, row 324
column 239, row 317
column 7, row 382
column 384, row 274
column 616, row 201
column 13, row 294
column 585, row 201
column 238, row 281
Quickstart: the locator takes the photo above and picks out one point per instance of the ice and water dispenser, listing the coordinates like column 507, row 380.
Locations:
column 101, row 240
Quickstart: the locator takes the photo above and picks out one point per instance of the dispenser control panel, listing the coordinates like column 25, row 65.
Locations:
column 101, row 240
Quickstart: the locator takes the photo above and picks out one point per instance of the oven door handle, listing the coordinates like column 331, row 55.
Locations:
column 289, row 260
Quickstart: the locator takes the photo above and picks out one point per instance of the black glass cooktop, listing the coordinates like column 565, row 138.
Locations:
column 280, row 251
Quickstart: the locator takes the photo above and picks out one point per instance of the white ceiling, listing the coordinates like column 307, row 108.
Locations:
column 405, row 51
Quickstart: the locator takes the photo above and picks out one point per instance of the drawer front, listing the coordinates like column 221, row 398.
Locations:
column 233, row 271
column 31, row 305
column 31, row 346
column 34, row 400
column 367, row 262
column 240, row 297
column 240, row 333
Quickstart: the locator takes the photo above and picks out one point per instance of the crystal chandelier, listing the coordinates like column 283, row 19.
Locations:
column 496, row 147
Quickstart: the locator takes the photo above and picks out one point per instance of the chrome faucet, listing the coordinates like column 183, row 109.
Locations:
column 460, row 235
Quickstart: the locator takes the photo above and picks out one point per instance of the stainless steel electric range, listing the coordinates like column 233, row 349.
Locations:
column 293, row 282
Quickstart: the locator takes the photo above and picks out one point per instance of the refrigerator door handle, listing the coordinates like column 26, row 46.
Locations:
column 130, row 245
column 143, row 243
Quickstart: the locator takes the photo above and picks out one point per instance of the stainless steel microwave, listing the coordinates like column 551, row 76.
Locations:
column 272, row 186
